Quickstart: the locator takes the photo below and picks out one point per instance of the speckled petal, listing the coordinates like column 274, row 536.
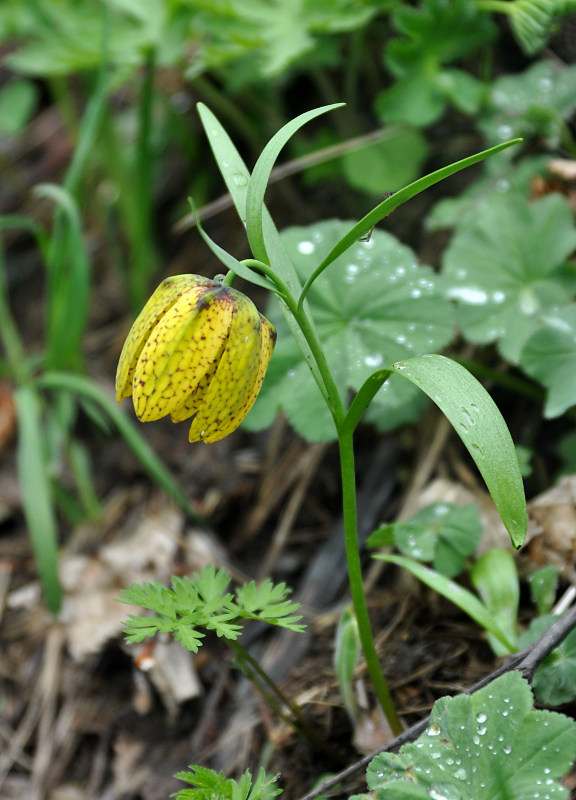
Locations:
column 163, row 298
column 195, row 399
column 181, row 350
column 223, row 405
column 267, row 342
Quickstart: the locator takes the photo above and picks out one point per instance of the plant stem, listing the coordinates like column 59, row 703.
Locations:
column 303, row 725
column 346, row 445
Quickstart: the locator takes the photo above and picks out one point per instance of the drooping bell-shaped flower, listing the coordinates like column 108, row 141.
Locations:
column 200, row 350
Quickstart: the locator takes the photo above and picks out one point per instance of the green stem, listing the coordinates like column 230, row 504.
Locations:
column 345, row 441
column 346, row 445
column 303, row 725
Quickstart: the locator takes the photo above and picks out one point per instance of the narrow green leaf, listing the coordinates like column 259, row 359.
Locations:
column 495, row 578
column 84, row 387
column 478, row 422
column 68, row 268
column 346, row 653
column 391, row 203
column 36, row 494
column 228, row 260
column 371, row 385
column 261, row 175
column 543, row 587
column 237, row 177
column 452, row 591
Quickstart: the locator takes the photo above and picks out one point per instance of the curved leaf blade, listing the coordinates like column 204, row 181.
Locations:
column 394, row 201
column 261, row 176
column 478, row 422
column 228, row 260
column 452, row 591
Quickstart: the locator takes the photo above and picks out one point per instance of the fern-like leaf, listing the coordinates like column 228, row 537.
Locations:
column 267, row 602
column 208, row 784
column 534, row 21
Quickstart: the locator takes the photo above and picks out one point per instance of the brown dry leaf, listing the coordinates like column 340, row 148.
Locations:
column 561, row 180
column 91, row 613
column 371, row 731
column 371, row 728
column 7, row 415
column 129, row 768
column 564, row 168
column 552, row 528
column 171, row 669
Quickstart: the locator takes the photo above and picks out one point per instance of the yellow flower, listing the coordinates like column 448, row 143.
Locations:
column 198, row 349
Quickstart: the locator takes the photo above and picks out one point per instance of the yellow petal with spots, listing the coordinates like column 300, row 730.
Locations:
column 180, row 350
column 223, row 405
column 195, row 399
column 162, row 299
column 267, row 342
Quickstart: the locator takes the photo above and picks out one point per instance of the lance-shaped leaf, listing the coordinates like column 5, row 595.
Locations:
column 478, row 422
column 475, row 418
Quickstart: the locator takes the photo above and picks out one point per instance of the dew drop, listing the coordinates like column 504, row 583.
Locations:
column 374, row 360
column 528, row 303
column 416, row 293
column 545, row 85
column 481, row 717
column 433, row 730
column 306, row 248
column 468, row 294
column 239, row 179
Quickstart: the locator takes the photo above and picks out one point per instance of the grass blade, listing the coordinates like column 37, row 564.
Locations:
column 36, row 494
